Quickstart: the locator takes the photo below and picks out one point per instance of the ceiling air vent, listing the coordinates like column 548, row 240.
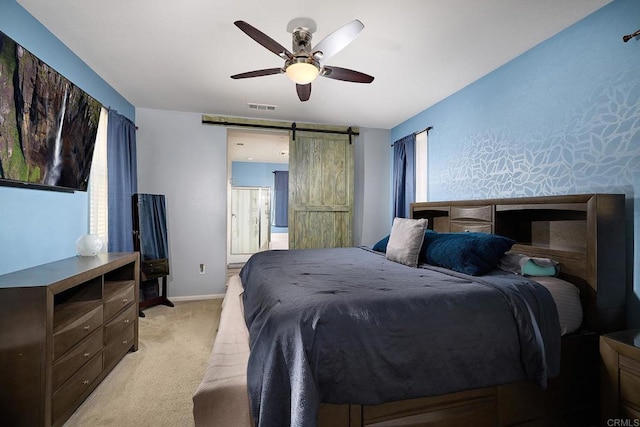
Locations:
column 263, row 107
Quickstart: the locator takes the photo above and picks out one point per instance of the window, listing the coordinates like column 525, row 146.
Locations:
column 421, row 166
column 98, row 189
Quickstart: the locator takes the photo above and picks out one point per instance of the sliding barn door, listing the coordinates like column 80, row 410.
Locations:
column 320, row 191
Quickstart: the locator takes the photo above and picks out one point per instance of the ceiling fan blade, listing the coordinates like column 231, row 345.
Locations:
column 304, row 91
column 258, row 73
column 337, row 40
column 263, row 39
column 346, row 75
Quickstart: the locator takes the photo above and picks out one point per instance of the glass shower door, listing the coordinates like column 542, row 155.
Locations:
column 250, row 219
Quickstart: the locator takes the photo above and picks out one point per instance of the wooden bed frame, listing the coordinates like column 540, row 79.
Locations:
column 586, row 234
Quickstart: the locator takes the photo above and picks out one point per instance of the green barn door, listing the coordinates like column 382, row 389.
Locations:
column 320, row 191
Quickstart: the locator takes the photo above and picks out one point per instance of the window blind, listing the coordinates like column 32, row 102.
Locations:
column 98, row 187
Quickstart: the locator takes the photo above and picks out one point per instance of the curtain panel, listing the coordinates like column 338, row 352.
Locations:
column 152, row 217
column 404, row 175
column 123, row 182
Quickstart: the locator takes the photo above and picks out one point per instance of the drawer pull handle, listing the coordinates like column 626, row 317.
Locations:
column 85, row 382
column 125, row 341
column 126, row 320
column 124, row 300
column 87, row 354
column 87, row 327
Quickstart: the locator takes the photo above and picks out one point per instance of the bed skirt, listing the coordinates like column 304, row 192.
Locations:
column 221, row 398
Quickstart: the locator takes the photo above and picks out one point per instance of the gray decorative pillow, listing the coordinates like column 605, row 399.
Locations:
column 406, row 240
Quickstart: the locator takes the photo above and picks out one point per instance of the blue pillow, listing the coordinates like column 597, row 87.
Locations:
column 423, row 250
column 381, row 246
column 469, row 253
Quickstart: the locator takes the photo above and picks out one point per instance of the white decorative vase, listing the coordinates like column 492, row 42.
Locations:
column 88, row 245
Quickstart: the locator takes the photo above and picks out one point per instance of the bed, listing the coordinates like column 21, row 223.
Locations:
column 357, row 357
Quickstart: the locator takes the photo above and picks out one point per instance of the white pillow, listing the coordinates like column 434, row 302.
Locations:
column 567, row 298
column 406, row 240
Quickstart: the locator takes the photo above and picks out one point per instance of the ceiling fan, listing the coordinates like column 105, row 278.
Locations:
column 304, row 64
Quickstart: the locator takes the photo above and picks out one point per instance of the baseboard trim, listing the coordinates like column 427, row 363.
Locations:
column 197, row 297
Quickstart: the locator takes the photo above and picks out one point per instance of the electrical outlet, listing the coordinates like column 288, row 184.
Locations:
column 201, row 268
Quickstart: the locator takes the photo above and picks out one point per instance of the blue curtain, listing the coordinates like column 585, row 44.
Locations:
column 404, row 175
column 122, row 180
column 152, row 217
column 281, row 189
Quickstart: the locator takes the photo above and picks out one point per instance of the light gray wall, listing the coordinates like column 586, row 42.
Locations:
column 186, row 161
column 372, row 209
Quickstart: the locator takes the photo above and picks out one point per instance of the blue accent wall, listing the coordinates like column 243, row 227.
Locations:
column 562, row 118
column 257, row 174
column 38, row 226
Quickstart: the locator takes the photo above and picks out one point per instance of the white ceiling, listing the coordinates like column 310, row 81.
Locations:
column 179, row 55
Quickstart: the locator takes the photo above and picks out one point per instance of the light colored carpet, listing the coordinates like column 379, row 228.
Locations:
column 154, row 386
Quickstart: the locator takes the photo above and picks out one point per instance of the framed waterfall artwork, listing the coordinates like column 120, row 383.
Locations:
column 48, row 125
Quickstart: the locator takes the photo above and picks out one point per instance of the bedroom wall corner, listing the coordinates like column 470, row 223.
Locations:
column 562, row 118
column 41, row 226
column 372, row 186
column 187, row 161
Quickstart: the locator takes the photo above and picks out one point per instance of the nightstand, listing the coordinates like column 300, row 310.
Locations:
column 620, row 376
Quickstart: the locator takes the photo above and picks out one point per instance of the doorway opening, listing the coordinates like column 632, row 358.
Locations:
column 255, row 203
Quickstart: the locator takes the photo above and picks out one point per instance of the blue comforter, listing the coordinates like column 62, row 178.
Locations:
column 346, row 325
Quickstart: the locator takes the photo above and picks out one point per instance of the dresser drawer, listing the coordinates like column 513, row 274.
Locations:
column 629, row 412
column 81, row 381
column 481, row 410
column 474, row 227
column 118, row 296
column 68, row 364
column 629, row 381
column 118, row 345
column 473, row 213
column 114, row 328
column 629, row 364
column 68, row 336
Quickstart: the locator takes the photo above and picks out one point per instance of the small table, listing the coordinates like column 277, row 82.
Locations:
column 155, row 270
column 620, row 377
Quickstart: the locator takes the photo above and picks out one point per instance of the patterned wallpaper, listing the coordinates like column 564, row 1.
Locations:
column 596, row 147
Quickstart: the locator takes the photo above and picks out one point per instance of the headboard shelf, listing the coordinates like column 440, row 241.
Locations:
column 549, row 252
column 547, row 206
column 545, row 228
column 585, row 233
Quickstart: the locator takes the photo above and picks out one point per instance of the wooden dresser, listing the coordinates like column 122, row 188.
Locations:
column 620, row 377
column 63, row 326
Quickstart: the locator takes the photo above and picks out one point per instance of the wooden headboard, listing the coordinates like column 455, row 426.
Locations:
column 585, row 233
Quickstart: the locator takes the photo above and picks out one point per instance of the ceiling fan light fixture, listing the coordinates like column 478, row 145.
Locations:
column 302, row 70
column 304, row 65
